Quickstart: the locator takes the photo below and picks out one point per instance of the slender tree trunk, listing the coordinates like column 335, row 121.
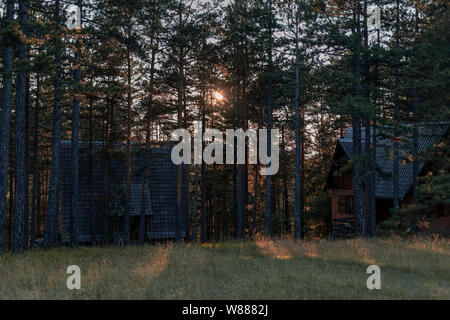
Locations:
column 147, row 142
column 415, row 141
column 38, row 204
column 396, row 195
column 194, row 206
column 215, row 215
column 367, row 127
column 142, row 215
column 287, row 218
column 255, row 202
column 185, row 178
column 415, row 160
column 42, row 217
column 298, row 206
column 8, row 56
column 51, row 226
column 203, row 187
column 75, row 139
column 187, row 184
column 242, row 168
column 20, row 139
column 196, row 178
column 11, row 205
column 357, row 175
column 35, row 196
column 373, row 156
column 26, row 216
column 128, row 151
column 92, row 215
column 179, row 173
column 240, row 203
column 268, row 210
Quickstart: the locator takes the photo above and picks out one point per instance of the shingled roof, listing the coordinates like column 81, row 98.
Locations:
column 429, row 135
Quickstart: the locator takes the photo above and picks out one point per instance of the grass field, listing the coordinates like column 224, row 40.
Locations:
column 279, row 269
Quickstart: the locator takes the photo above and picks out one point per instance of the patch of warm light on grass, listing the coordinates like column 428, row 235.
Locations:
column 311, row 249
column 436, row 245
column 152, row 266
column 271, row 250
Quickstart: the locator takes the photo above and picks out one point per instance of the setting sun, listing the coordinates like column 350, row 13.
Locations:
column 218, row 95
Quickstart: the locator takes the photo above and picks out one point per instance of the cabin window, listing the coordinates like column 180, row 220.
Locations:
column 346, row 204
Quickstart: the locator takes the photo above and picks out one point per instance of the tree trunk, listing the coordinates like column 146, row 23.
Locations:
column 147, row 142
column 287, row 218
column 255, row 202
column 215, row 215
column 298, row 206
column 75, row 139
column 19, row 154
column 92, row 215
column 268, row 209
column 11, row 204
column 194, row 206
column 415, row 141
column 187, row 183
column 357, row 179
column 373, row 154
column 128, row 151
column 396, row 195
column 370, row 161
column 35, row 196
column 240, row 203
column 5, row 121
column 203, row 187
column 179, row 173
column 26, row 216
column 415, row 160
column 51, row 226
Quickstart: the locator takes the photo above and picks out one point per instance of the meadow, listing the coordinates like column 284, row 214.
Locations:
column 276, row 269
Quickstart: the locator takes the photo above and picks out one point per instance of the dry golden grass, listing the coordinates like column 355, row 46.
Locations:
column 279, row 269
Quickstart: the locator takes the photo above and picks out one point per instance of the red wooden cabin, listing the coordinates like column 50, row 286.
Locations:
column 341, row 185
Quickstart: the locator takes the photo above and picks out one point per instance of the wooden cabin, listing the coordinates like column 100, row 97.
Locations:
column 340, row 179
column 103, row 196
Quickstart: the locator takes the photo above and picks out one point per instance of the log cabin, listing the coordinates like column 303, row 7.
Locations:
column 102, row 192
column 340, row 178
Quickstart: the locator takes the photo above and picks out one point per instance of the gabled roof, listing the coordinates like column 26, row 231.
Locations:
column 429, row 135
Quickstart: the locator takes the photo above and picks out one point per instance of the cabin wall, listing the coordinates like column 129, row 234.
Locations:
column 440, row 223
column 383, row 206
column 335, row 212
column 161, row 189
column 438, row 217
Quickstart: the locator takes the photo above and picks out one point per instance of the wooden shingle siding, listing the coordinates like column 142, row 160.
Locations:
column 160, row 194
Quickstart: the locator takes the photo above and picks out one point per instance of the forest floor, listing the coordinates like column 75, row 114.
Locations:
column 279, row 269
